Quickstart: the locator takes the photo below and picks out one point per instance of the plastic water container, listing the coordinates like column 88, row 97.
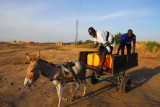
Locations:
column 97, row 61
column 90, row 59
column 108, row 62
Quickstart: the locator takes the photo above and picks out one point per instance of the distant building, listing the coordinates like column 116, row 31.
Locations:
column 60, row 43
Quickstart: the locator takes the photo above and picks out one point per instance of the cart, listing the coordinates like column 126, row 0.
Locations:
column 120, row 64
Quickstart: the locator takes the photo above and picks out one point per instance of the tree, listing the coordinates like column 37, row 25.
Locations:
column 118, row 37
column 88, row 41
column 80, row 42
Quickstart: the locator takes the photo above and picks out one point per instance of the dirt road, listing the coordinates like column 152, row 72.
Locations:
column 145, row 89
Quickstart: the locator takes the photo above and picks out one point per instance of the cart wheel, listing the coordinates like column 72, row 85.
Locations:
column 125, row 84
column 93, row 80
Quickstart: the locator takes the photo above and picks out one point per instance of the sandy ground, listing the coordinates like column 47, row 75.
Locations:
column 145, row 88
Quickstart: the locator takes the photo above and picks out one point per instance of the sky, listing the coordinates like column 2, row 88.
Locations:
column 55, row 20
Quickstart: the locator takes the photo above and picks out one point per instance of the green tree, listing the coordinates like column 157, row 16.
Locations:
column 80, row 42
column 118, row 37
column 88, row 41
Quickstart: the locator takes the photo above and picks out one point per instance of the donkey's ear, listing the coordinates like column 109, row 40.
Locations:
column 28, row 57
column 38, row 56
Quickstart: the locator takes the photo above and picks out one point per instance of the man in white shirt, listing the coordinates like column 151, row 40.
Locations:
column 107, row 42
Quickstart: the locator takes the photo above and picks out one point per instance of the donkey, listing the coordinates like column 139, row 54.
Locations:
column 55, row 74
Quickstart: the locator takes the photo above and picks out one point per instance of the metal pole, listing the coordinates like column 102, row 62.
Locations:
column 76, row 39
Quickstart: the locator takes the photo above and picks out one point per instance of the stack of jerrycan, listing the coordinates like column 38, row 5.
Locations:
column 93, row 59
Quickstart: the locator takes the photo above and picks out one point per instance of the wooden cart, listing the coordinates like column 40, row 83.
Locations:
column 119, row 66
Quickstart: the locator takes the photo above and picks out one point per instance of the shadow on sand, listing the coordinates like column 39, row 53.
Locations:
column 143, row 75
column 138, row 77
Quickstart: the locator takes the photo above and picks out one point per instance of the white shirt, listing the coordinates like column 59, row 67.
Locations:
column 101, row 38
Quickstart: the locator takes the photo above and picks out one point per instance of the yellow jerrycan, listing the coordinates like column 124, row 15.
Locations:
column 90, row 59
column 97, row 61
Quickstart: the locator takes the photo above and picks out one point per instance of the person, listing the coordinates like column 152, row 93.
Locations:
column 126, row 40
column 107, row 42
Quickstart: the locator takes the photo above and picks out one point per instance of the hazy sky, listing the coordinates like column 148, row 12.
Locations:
column 55, row 20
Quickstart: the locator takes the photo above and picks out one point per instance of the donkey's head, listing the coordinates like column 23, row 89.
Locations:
column 33, row 71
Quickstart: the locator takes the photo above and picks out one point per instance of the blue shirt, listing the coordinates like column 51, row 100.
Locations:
column 126, row 40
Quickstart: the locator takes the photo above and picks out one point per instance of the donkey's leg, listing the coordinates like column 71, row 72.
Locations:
column 85, row 86
column 59, row 92
column 64, row 98
column 77, row 86
column 72, row 85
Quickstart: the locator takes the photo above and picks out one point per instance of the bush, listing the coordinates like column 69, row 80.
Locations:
column 118, row 37
column 153, row 46
column 67, row 43
column 88, row 41
column 86, row 44
column 80, row 42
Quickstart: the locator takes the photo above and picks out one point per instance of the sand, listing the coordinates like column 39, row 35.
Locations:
column 145, row 88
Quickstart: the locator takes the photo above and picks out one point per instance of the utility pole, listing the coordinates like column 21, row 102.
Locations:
column 76, row 38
